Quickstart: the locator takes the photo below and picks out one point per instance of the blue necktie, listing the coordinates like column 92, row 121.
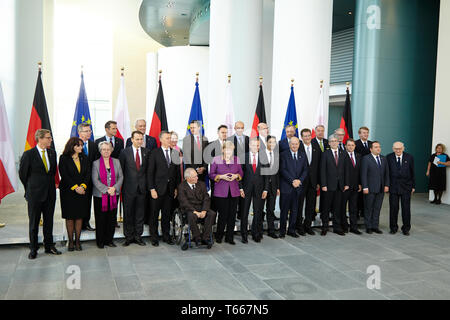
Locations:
column 85, row 149
column 378, row 161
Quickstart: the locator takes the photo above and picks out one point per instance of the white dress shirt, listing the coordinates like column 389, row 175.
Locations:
column 308, row 150
column 134, row 154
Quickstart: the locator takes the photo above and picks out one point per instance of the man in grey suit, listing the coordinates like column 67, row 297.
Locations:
column 375, row 182
column 134, row 163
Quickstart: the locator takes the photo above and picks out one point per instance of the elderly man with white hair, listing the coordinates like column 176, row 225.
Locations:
column 340, row 134
column 402, row 185
column 195, row 202
column 149, row 142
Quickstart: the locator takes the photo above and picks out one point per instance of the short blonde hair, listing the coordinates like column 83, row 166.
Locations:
column 40, row 134
column 228, row 145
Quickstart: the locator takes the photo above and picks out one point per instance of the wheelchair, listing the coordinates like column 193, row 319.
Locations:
column 181, row 230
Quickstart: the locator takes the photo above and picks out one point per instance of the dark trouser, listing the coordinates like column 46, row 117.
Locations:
column 226, row 208
column 164, row 204
column 105, row 222
column 288, row 203
column 258, row 205
column 240, row 207
column 270, row 210
column 89, row 206
column 133, row 215
column 372, row 203
column 350, row 197
column 47, row 208
column 332, row 203
column 361, row 204
column 208, row 220
column 405, row 200
column 148, row 209
column 310, row 197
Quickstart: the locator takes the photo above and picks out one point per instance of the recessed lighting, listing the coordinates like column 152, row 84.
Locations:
column 350, row 13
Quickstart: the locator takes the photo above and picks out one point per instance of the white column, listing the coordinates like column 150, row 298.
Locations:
column 235, row 48
column 441, row 129
column 302, row 51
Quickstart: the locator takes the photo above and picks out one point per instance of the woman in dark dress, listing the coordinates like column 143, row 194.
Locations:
column 437, row 174
column 75, row 177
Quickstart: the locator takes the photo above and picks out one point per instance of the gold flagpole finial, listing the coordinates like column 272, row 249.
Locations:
column 40, row 65
column 229, row 78
column 260, row 81
column 81, row 69
column 196, row 76
column 321, row 83
column 160, row 72
column 292, row 82
column 348, row 84
column 122, row 71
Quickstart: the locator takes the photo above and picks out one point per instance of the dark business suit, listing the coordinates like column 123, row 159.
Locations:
column 40, row 194
column 134, row 190
column 325, row 143
column 290, row 170
column 375, row 178
column 193, row 155
column 92, row 155
column 196, row 200
column 163, row 177
column 351, row 195
column 363, row 151
column 273, row 180
column 240, row 150
column 335, row 178
column 150, row 143
column 253, row 184
column 118, row 146
column 310, row 189
column 283, row 145
column 402, row 181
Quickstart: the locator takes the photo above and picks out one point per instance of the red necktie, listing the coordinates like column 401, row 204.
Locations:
column 336, row 158
column 353, row 161
column 254, row 163
column 138, row 160
column 199, row 146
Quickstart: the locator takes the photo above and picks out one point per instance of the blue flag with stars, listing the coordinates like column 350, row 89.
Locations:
column 82, row 114
column 291, row 115
column 196, row 111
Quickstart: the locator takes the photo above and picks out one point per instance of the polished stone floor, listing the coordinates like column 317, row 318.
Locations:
column 311, row 267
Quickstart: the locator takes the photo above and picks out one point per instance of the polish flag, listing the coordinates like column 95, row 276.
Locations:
column 121, row 115
column 8, row 176
column 319, row 111
column 229, row 118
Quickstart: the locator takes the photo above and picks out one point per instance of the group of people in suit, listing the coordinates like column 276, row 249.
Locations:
column 242, row 172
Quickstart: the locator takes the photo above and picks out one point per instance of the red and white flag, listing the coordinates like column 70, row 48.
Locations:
column 319, row 112
column 122, row 116
column 8, row 176
column 229, row 118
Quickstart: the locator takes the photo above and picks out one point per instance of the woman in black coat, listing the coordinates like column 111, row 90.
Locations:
column 75, row 177
column 437, row 173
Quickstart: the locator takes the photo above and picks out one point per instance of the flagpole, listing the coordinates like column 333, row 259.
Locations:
column 260, row 81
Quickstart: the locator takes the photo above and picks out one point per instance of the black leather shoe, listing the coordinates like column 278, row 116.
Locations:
column 301, row 232
column 355, row 231
column 244, row 239
column 32, row 255
column 70, row 247
column 434, row 201
column 219, row 240
column 392, row 231
column 378, row 231
column 323, row 233
column 140, row 242
column 53, row 250
column 155, row 243
column 169, row 241
column 310, row 232
column 230, row 242
column 341, row 233
column 368, row 231
column 209, row 245
column 100, row 246
column 273, row 235
column 293, row 234
column 112, row 245
column 126, row 243
column 406, row 233
column 345, row 230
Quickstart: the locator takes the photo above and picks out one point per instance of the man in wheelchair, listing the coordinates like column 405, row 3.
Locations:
column 195, row 202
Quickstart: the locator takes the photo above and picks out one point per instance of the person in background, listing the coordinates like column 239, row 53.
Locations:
column 107, row 179
column 362, row 146
column 436, row 171
column 320, row 141
column 340, row 133
column 75, row 175
column 110, row 136
column 194, row 146
column 148, row 142
column 263, row 132
column 284, row 143
column 273, row 177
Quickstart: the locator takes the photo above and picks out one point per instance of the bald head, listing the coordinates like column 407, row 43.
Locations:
column 239, row 128
column 294, row 144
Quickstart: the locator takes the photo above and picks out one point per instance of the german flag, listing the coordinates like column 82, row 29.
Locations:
column 159, row 120
column 346, row 120
column 260, row 113
column 39, row 118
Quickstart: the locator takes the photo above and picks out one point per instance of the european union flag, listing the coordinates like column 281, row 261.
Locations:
column 291, row 115
column 82, row 114
column 196, row 111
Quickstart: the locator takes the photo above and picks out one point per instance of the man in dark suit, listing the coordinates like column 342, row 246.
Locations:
column 273, row 179
column 193, row 148
column 310, row 185
column 254, row 188
column 148, row 142
column 134, row 161
column 263, row 132
column 340, row 133
column 293, row 172
column 320, row 141
column 351, row 195
column 241, row 148
column 90, row 149
column 375, row 182
column 284, row 143
column 111, row 132
column 402, row 185
column 195, row 202
column 163, row 175
column 334, row 180
column 363, row 144
column 37, row 173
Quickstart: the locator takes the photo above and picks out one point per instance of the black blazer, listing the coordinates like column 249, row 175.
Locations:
column 118, row 146
column 69, row 172
column 160, row 176
column 359, row 147
column 133, row 180
column 354, row 172
column 283, row 145
column 150, row 143
column 331, row 176
column 39, row 185
column 326, row 145
column 373, row 177
column 192, row 156
column 238, row 149
column 214, row 149
column 253, row 180
column 193, row 200
column 402, row 180
column 313, row 172
column 290, row 171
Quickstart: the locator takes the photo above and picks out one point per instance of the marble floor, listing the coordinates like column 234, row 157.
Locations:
column 311, row 267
